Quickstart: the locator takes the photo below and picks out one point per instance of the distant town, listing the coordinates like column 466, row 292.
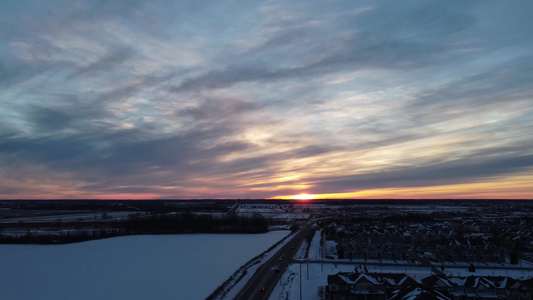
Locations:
column 377, row 249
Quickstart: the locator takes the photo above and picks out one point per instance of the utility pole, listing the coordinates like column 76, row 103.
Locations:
column 308, row 269
column 323, row 236
column 300, row 280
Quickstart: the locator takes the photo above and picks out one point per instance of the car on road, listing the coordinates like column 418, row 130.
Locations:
column 262, row 289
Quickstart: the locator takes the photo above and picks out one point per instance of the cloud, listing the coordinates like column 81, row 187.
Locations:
column 217, row 109
column 507, row 80
column 360, row 51
column 185, row 98
column 388, row 37
column 47, row 119
column 112, row 59
column 115, row 152
column 427, row 20
column 14, row 72
column 464, row 170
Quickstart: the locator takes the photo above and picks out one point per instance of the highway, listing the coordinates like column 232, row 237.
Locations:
column 263, row 282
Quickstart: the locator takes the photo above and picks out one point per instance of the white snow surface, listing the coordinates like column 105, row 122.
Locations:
column 514, row 273
column 315, row 251
column 289, row 286
column 331, row 249
column 189, row 266
column 300, row 254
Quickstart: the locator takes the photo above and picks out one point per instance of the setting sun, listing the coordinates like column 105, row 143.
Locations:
column 303, row 197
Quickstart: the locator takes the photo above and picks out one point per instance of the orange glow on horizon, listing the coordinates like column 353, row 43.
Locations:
column 512, row 187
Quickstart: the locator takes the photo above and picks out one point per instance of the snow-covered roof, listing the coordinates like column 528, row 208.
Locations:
column 418, row 292
column 375, row 278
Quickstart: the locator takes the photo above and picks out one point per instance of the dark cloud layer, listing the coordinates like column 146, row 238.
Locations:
column 438, row 174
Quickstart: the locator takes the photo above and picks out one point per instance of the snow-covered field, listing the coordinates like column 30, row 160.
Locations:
column 129, row 267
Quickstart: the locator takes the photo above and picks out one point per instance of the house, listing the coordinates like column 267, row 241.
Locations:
column 374, row 246
column 479, row 287
column 365, row 286
column 468, row 249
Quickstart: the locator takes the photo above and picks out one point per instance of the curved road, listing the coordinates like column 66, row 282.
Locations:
column 262, row 283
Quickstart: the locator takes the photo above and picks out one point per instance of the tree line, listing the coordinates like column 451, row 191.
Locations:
column 194, row 223
column 175, row 223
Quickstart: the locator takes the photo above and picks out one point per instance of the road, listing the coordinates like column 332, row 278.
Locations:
column 263, row 282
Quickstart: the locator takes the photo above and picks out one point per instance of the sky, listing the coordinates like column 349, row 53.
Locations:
column 197, row 99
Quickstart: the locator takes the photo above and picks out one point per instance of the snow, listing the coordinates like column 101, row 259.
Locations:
column 297, row 273
column 522, row 264
column 289, row 286
column 259, row 210
column 300, row 254
column 315, row 251
column 129, row 267
column 514, row 273
column 234, row 287
column 415, row 272
column 331, row 249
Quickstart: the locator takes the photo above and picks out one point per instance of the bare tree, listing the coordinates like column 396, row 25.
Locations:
column 321, row 292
